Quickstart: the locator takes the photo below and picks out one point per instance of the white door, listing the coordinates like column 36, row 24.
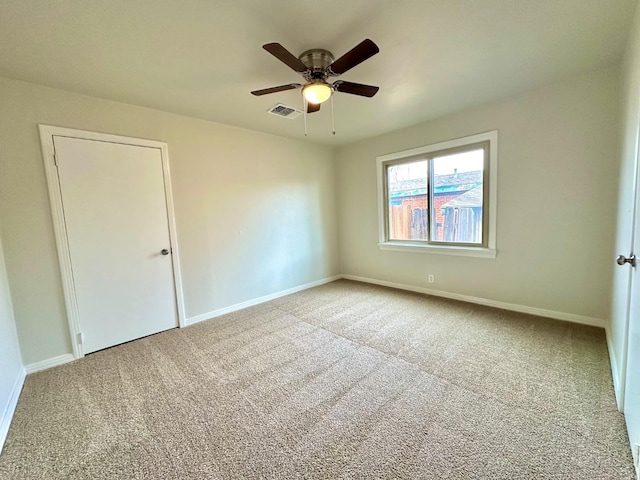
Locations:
column 632, row 383
column 116, row 221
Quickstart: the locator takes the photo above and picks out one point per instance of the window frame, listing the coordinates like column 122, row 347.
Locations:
column 488, row 248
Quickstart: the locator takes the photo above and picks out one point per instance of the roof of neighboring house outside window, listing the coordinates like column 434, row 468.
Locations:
column 469, row 199
column 456, row 182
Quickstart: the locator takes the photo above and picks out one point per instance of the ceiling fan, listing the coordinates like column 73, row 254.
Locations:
column 316, row 66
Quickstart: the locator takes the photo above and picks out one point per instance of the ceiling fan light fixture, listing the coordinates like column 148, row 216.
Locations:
column 317, row 92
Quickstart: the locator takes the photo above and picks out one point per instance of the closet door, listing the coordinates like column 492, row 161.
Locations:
column 116, row 222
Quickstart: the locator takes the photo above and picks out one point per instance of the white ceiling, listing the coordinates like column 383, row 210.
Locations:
column 202, row 58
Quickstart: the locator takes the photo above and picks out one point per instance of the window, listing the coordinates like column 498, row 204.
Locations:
column 440, row 198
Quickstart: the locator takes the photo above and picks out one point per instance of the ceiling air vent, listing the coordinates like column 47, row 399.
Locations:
column 283, row 111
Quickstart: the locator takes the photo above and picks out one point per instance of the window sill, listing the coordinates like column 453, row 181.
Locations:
column 481, row 252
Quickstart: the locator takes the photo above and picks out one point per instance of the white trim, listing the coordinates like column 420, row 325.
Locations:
column 456, row 142
column 49, row 363
column 266, row 298
column 55, row 200
column 173, row 236
column 439, row 250
column 490, row 250
column 48, row 151
column 7, row 416
column 615, row 372
column 541, row 312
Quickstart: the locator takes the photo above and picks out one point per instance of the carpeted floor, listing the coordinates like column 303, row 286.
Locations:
column 346, row 380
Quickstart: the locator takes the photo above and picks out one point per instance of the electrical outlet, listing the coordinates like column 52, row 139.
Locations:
column 432, row 279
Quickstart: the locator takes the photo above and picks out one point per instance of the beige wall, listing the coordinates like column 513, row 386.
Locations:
column 255, row 213
column 557, row 174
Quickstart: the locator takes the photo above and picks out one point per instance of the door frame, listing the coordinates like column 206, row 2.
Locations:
column 624, row 355
column 47, row 132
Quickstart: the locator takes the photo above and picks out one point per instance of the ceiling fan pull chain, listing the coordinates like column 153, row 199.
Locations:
column 304, row 111
column 333, row 118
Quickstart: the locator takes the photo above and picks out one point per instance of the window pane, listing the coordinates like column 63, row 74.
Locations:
column 458, row 197
column 408, row 200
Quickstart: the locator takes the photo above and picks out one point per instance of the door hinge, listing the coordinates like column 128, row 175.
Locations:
column 55, row 160
column 80, row 338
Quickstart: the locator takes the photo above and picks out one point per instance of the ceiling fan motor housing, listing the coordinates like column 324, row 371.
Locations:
column 316, row 60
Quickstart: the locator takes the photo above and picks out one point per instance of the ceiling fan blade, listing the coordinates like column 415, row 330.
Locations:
column 285, row 56
column 355, row 88
column 313, row 107
column 353, row 57
column 280, row 88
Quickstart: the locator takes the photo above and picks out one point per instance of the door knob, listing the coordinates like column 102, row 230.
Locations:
column 621, row 260
column 164, row 251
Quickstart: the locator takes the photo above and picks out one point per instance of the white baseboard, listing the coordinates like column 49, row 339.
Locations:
column 266, row 298
column 7, row 416
column 50, row 363
column 541, row 312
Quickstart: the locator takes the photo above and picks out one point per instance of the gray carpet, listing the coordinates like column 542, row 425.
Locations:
column 346, row 380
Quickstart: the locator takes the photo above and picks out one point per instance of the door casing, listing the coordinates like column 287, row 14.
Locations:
column 47, row 132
